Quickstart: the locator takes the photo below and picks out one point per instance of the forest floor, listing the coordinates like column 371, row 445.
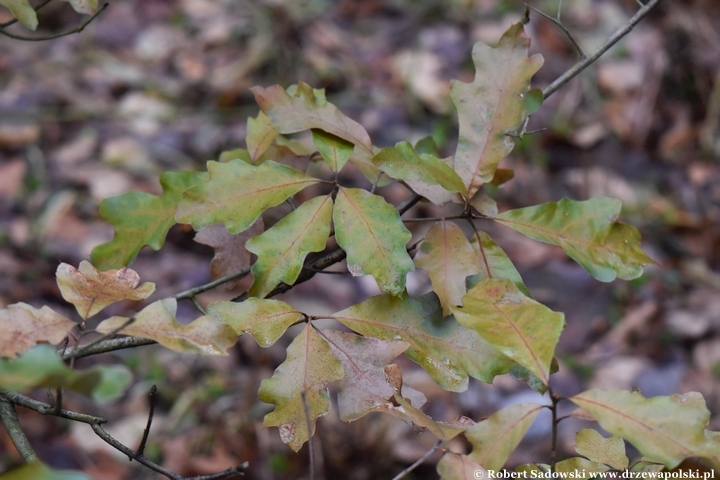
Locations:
column 158, row 85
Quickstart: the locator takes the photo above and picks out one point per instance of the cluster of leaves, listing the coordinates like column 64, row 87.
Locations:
column 479, row 321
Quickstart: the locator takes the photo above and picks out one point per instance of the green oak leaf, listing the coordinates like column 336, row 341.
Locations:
column 260, row 135
column 454, row 466
column 495, row 438
column 37, row 470
column 609, row 451
column 23, row 11
column 492, row 105
column 494, row 263
column 310, row 365
column 371, row 232
column 585, row 468
column 518, row 326
column 141, row 219
column 404, row 163
column 587, row 231
column 305, row 109
column 334, row 150
column 265, row 320
column 238, row 193
column 666, row 429
column 281, row 250
column 446, row 350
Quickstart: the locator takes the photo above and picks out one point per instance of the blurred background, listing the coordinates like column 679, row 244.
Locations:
column 157, row 85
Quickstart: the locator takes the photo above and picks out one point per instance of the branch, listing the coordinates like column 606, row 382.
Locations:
column 78, row 29
column 192, row 292
column 107, row 346
column 418, row 462
column 583, row 64
column 560, row 25
column 46, row 409
column 15, row 20
column 15, row 431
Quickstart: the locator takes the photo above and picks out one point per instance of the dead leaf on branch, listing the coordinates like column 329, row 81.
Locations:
column 23, row 326
column 91, row 290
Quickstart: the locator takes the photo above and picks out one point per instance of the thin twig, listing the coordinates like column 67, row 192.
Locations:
column 15, row 20
column 308, row 422
column 146, row 432
column 47, row 409
column 78, row 29
column 418, row 462
column 583, row 64
column 80, row 350
column 195, row 302
column 108, row 346
column 560, row 25
column 433, row 219
column 15, row 431
column 191, row 292
column 553, row 447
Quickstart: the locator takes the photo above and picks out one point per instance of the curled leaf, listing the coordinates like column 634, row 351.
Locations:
column 23, row 326
column 91, row 290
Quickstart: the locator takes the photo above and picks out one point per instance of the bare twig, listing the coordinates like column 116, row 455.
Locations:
column 77, row 29
column 146, row 432
column 15, row 431
column 46, row 409
column 560, row 25
column 583, row 64
column 191, row 292
column 107, row 346
column 418, row 462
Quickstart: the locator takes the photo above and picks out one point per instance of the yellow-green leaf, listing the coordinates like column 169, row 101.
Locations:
column 306, row 109
column 238, row 193
column 453, row 466
column 265, row 320
column 494, row 263
column 372, row 234
column 666, row 429
column 403, row 163
column 42, row 367
column 260, row 135
column 282, row 249
column 445, row 431
column 334, row 150
column 492, row 105
column 141, row 219
column 308, row 368
column 609, row 451
column 495, row 438
column 23, row 11
column 203, row 336
column 448, row 351
column 364, row 386
column 588, row 232
column 23, row 326
column 518, row 326
column 585, row 468
column 447, row 256
column 39, row 471
column 91, row 290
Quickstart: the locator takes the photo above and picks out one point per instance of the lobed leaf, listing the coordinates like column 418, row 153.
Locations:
column 203, row 336
column 448, row 351
column 492, row 105
column 23, row 326
column 42, row 367
column 334, row 150
column 518, row 326
column 609, row 451
column 238, row 193
column 231, row 255
column 23, row 11
column 307, row 109
column 587, row 231
column 310, row 365
column 447, row 256
column 404, row 163
column 91, row 290
column 282, row 249
column 141, row 219
column 260, row 135
column 495, row 438
column 666, row 429
column 585, row 468
column 265, row 320
column 364, row 386
column 374, row 237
